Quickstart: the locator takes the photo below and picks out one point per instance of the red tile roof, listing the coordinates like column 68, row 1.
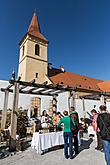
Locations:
column 34, row 28
column 76, row 80
column 105, row 86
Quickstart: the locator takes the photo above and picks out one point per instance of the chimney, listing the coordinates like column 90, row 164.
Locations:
column 62, row 68
column 50, row 65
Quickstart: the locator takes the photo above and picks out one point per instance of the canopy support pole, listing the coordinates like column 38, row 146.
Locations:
column 4, row 112
column 14, row 114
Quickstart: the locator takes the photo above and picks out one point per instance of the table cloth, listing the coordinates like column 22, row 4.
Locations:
column 41, row 142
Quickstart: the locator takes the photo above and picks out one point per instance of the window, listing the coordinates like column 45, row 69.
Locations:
column 37, row 51
column 36, row 75
column 23, row 49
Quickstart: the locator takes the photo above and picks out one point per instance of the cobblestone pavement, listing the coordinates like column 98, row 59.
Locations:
column 87, row 156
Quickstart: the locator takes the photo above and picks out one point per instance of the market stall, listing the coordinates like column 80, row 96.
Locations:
column 16, row 87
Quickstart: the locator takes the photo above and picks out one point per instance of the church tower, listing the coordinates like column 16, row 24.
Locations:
column 33, row 60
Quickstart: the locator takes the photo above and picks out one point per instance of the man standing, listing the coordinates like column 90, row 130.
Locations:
column 75, row 118
column 103, row 122
column 67, row 135
column 96, row 129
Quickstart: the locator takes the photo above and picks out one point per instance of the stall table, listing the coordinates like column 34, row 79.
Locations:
column 42, row 142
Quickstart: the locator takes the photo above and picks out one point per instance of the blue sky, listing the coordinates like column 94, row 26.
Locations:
column 78, row 32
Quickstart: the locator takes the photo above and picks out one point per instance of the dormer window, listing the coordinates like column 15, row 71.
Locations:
column 37, row 50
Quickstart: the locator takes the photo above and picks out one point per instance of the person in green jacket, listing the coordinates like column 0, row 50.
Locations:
column 67, row 135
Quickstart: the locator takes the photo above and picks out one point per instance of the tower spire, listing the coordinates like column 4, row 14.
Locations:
column 34, row 28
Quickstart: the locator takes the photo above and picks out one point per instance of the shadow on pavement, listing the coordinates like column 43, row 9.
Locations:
column 52, row 149
column 85, row 144
column 4, row 150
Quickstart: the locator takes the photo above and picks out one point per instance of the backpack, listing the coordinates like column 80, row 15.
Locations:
column 105, row 130
column 73, row 124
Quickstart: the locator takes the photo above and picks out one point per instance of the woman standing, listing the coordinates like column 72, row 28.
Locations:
column 67, row 135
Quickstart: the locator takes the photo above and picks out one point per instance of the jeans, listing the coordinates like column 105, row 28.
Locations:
column 99, row 141
column 75, row 137
column 68, row 137
column 106, row 147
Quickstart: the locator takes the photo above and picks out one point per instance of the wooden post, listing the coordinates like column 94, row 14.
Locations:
column 72, row 99
column 14, row 118
column 4, row 111
column 83, row 104
column 54, row 103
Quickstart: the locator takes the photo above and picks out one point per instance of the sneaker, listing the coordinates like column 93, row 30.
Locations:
column 66, row 157
column 71, row 157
